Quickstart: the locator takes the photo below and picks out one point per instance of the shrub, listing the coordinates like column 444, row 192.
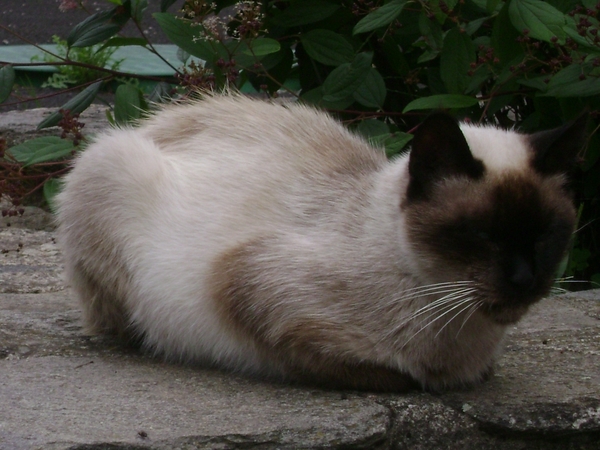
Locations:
column 379, row 65
column 94, row 56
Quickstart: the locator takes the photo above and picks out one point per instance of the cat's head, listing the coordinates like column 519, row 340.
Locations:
column 491, row 207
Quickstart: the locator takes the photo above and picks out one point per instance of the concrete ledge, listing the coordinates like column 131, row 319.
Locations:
column 18, row 126
column 61, row 389
column 64, row 390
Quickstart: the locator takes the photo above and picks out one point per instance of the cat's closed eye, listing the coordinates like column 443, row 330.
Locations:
column 472, row 230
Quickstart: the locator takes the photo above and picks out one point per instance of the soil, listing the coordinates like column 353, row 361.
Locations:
column 36, row 21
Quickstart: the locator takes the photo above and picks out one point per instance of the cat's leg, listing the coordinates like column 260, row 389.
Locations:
column 105, row 204
column 103, row 304
column 265, row 296
column 330, row 372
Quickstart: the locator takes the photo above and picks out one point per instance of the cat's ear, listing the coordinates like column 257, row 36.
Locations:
column 555, row 151
column 439, row 150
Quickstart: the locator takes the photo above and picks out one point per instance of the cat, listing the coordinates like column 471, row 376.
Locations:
column 271, row 240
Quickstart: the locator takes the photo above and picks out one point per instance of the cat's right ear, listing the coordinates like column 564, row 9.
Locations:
column 556, row 150
column 439, row 150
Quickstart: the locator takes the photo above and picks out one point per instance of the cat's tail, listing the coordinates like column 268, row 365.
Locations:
column 121, row 170
column 107, row 203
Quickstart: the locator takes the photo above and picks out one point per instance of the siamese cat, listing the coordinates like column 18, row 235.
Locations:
column 271, row 240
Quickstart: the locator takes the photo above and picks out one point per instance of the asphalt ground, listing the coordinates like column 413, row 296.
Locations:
column 36, row 21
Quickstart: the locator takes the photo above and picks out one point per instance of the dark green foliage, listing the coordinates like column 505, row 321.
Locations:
column 382, row 66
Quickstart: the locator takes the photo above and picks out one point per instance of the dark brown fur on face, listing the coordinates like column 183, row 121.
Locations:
column 507, row 232
column 507, row 235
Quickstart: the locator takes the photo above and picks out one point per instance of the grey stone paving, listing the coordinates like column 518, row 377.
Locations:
column 61, row 389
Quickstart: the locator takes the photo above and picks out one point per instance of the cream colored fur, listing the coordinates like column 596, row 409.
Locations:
column 147, row 212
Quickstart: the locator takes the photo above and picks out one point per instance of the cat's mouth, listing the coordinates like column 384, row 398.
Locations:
column 510, row 309
column 505, row 314
column 511, row 301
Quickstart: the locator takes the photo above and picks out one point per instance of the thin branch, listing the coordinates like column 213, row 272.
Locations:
column 53, row 94
column 153, row 50
column 24, row 39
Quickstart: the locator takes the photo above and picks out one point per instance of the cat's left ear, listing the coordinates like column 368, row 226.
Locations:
column 439, row 150
column 555, row 151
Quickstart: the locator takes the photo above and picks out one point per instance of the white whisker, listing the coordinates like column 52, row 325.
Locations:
column 431, row 289
column 440, row 302
column 475, row 307
column 458, row 305
column 469, row 305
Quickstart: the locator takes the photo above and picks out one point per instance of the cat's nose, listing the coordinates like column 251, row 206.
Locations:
column 521, row 273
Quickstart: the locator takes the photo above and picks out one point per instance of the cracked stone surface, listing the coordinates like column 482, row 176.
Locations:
column 62, row 389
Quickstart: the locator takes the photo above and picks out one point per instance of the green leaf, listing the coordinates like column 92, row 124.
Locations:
column 110, row 118
column 538, row 83
column 455, row 61
column 182, row 55
column 394, row 54
column 262, row 47
column 395, row 143
column 372, row 128
column 165, row 4
column 123, row 42
column 161, row 93
column 574, row 81
column 315, row 97
column 51, row 153
column 480, row 76
column 432, row 33
column 137, row 9
column 76, row 105
column 185, row 36
column 97, row 28
column 585, row 43
column 492, row 5
column 382, row 16
column 51, row 189
column 543, row 20
column 474, row 25
column 345, row 79
column 127, row 104
column 504, row 38
column 371, row 92
column 451, row 4
column 442, row 101
column 23, row 152
column 304, row 12
column 42, row 149
column 7, row 80
column 327, row 47
column 278, row 67
column 95, row 35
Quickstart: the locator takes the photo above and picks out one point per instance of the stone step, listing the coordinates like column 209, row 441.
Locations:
column 61, row 389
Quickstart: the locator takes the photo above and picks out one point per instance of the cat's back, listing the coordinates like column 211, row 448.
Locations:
column 235, row 129
column 199, row 176
column 188, row 184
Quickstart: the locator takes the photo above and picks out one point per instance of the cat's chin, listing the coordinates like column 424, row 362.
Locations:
column 504, row 314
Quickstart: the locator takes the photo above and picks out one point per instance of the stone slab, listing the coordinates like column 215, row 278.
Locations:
column 18, row 126
column 61, row 389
